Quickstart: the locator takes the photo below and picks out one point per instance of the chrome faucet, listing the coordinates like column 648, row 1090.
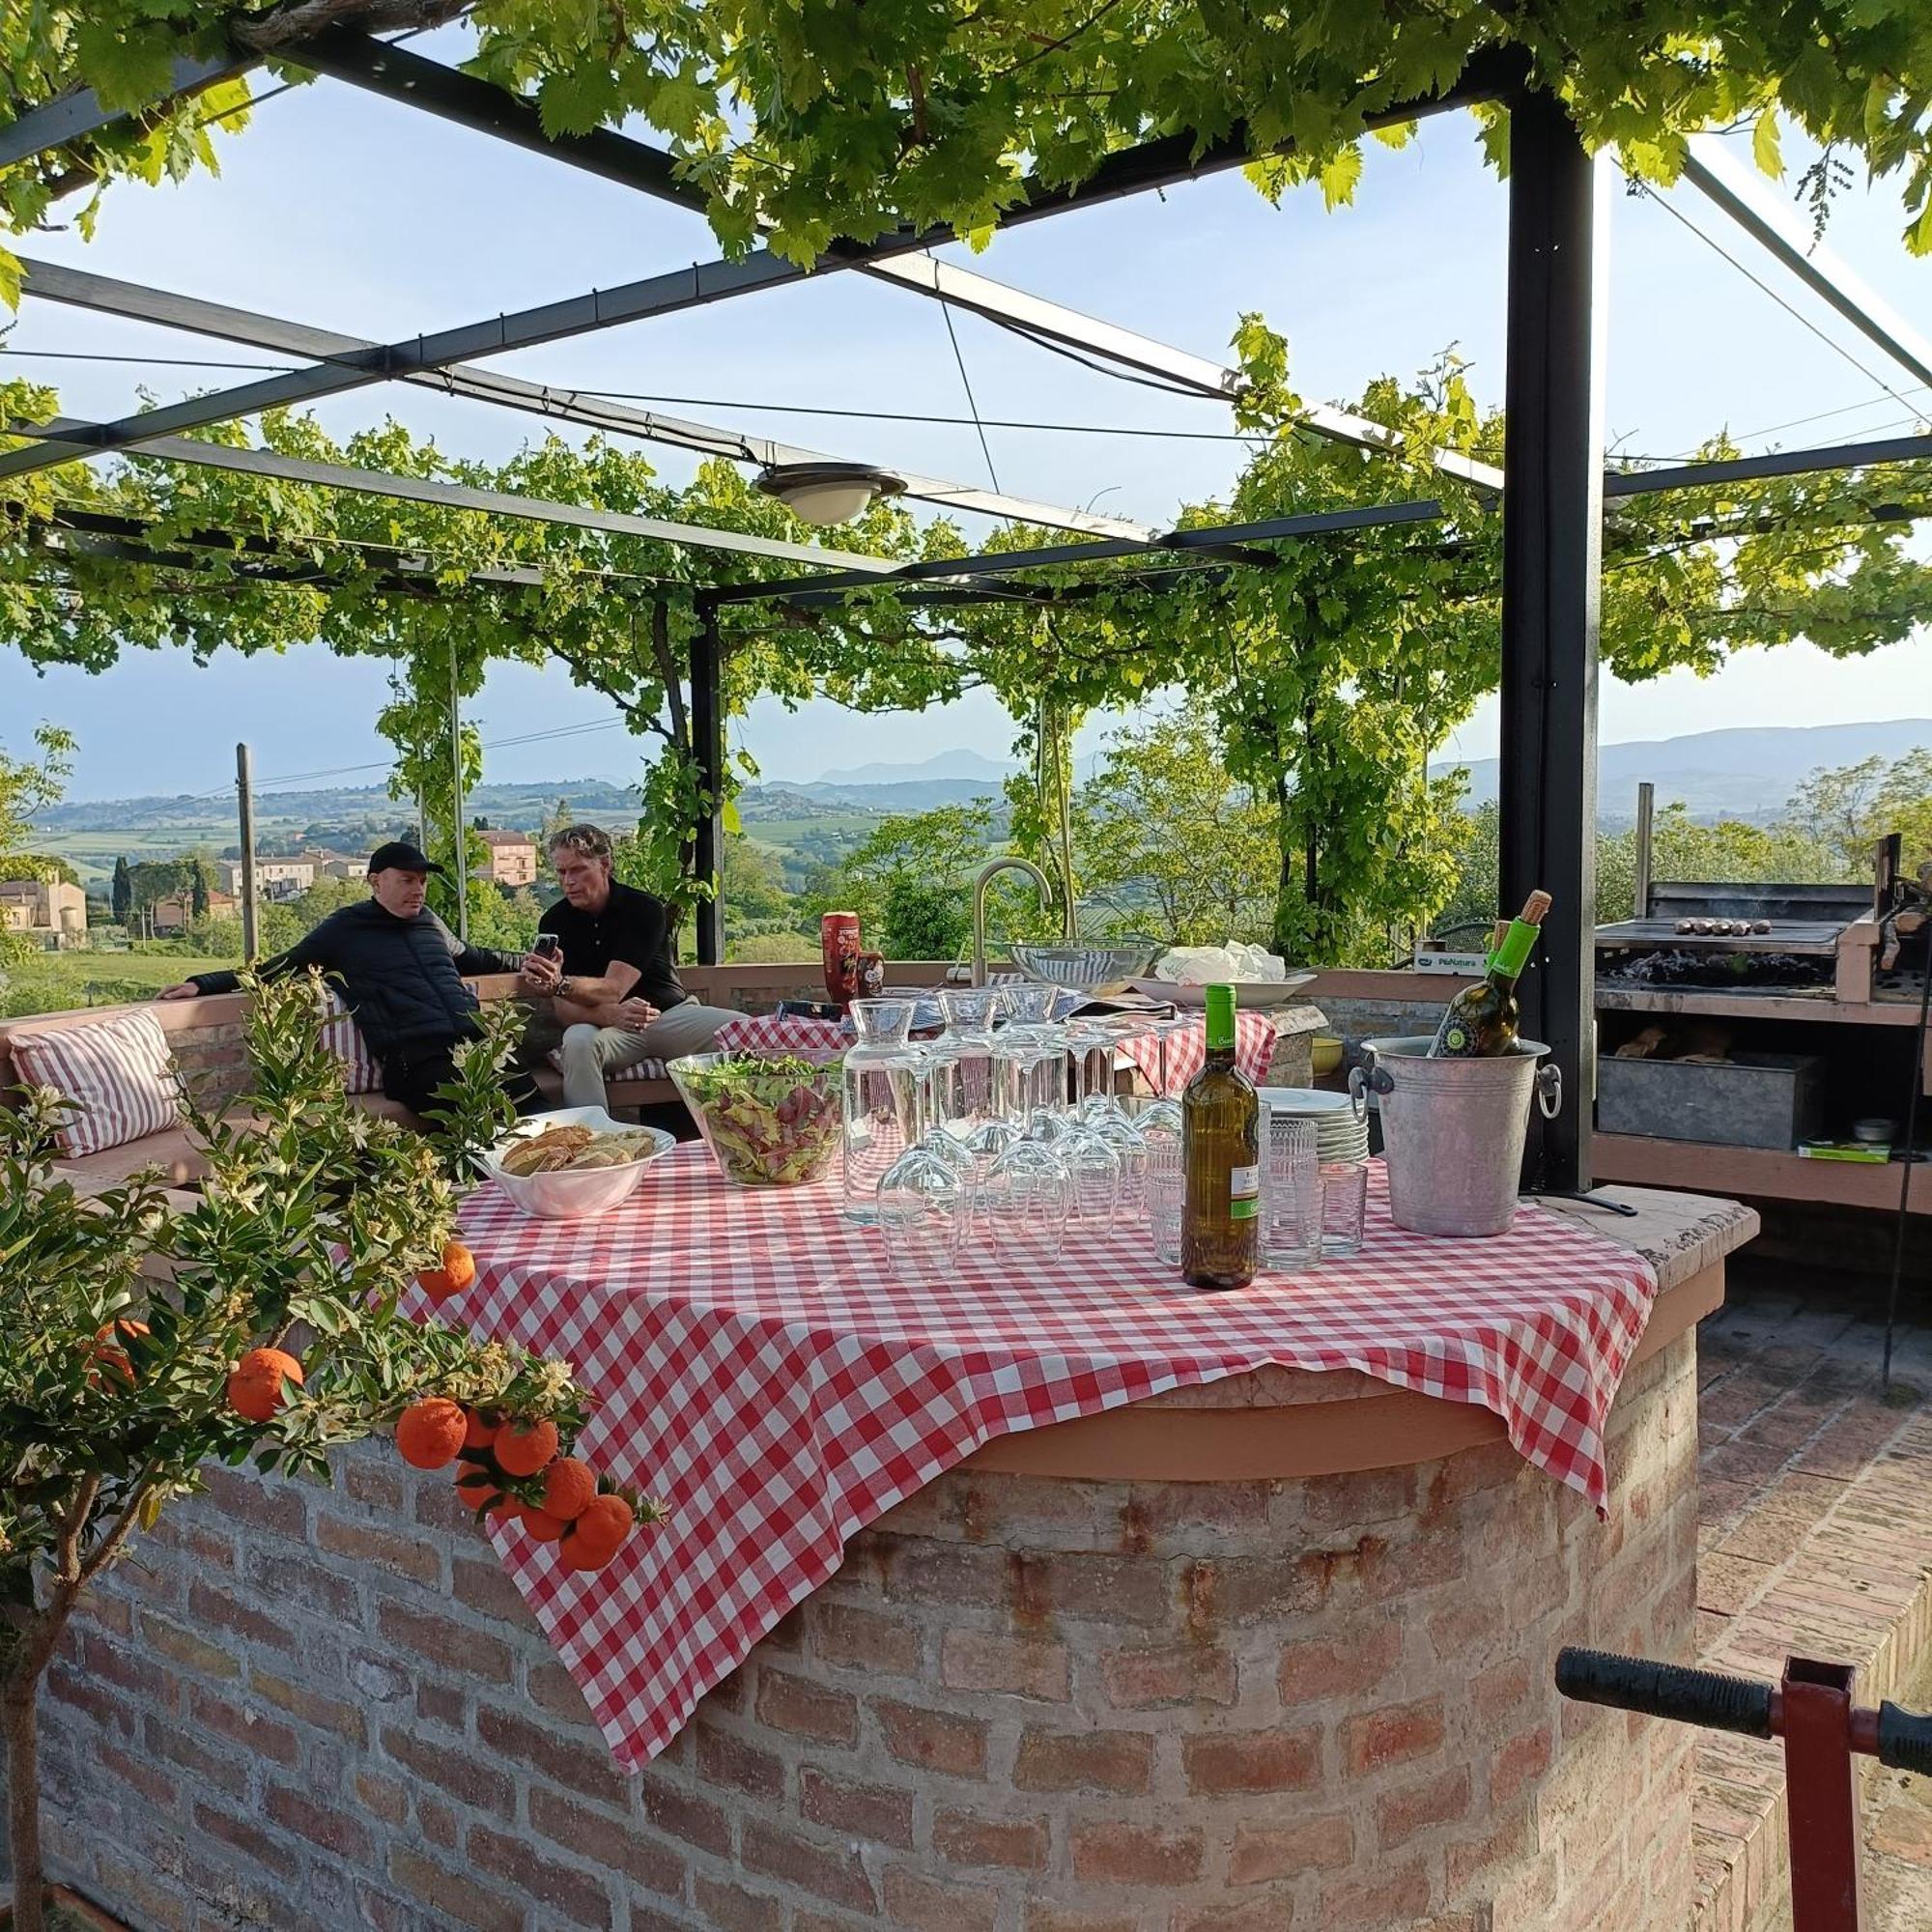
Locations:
column 980, row 881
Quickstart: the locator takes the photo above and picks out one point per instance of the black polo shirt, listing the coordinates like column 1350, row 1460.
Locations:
column 634, row 928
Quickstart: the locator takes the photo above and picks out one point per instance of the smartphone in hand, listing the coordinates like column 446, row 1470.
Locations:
column 547, row 945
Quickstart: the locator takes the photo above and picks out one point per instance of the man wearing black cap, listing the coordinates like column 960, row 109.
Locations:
column 400, row 971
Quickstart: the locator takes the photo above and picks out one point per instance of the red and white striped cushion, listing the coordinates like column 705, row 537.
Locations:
column 117, row 1072
column 343, row 1038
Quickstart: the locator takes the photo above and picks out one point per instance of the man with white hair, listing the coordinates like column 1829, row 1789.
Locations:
column 616, row 999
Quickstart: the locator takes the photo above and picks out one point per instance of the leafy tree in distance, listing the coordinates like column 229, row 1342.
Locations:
column 123, row 892
column 922, row 922
column 1162, row 820
column 27, row 787
column 1847, row 810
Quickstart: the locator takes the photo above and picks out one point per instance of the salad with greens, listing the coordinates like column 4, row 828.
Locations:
column 772, row 1120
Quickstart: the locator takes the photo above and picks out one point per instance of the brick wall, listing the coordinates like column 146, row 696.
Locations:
column 214, row 1060
column 1021, row 1706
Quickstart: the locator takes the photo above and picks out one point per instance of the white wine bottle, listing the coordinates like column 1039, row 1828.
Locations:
column 1481, row 1020
column 1220, row 1144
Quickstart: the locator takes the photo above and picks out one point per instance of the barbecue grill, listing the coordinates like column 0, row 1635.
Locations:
column 1807, row 936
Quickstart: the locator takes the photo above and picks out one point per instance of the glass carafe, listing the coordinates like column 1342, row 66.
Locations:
column 882, row 1076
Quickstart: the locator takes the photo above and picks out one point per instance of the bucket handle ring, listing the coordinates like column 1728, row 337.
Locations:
column 1550, row 1089
column 1362, row 1082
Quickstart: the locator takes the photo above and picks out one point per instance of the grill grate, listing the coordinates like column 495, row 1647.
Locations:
column 1786, row 935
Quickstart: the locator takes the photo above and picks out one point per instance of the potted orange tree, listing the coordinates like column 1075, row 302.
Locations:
column 142, row 1337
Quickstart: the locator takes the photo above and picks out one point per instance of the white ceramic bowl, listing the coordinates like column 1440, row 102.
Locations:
column 567, row 1196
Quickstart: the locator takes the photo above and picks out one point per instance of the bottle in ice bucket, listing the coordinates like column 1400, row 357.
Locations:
column 1481, row 1020
column 1221, row 1154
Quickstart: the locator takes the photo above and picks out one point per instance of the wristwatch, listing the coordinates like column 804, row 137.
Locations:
column 563, row 987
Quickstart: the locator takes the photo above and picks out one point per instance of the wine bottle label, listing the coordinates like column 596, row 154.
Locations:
column 1456, row 1039
column 1244, row 1193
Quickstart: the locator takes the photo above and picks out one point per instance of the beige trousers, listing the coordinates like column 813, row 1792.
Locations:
column 591, row 1054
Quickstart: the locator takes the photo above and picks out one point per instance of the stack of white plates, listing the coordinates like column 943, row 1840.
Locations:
column 1339, row 1134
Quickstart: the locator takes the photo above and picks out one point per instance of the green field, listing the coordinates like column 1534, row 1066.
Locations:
column 53, row 983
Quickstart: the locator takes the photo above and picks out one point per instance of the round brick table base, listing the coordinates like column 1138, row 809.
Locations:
column 1026, row 1704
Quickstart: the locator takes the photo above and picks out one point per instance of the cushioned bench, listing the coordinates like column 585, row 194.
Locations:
column 140, row 1128
column 204, row 1037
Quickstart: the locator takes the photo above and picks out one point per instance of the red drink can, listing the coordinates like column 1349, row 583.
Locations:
column 838, row 947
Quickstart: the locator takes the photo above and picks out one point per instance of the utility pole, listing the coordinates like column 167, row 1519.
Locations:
column 245, row 790
column 458, row 870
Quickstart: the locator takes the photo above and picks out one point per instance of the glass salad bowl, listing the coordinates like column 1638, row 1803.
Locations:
column 770, row 1120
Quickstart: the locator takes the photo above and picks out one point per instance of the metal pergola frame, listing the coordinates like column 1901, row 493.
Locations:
column 1552, row 485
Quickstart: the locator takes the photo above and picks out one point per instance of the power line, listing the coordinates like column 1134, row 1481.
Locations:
column 1831, row 342
column 147, row 362
column 966, row 384
column 918, row 417
column 291, row 780
column 1844, row 409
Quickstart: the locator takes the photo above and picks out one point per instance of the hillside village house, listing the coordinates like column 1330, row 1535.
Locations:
column 174, row 915
column 275, row 878
column 47, row 908
column 332, row 864
column 512, row 860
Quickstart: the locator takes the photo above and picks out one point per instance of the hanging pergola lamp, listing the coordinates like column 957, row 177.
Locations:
column 828, row 492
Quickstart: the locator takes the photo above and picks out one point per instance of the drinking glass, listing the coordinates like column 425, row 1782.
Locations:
column 1019, row 1210
column 1091, row 1044
column 1092, row 1170
column 1163, row 1114
column 1166, row 1189
column 965, row 1084
column 1345, row 1200
column 1290, row 1193
column 921, row 1208
column 1121, row 1132
column 1025, row 1044
column 989, row 1139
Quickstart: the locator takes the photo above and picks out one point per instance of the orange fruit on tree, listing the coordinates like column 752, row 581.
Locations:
column 522, row 1447
column 255, row 1383
column 599, row 1533
column 429, row 1433
column 480, row 1430
column 569, row 1487
column 577, row 1553
column 457, row 1272
column 540, row 1524
column 478, row 1485
column 105, row 1350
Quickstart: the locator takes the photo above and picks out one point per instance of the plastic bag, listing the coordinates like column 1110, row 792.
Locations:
column 1235, row 962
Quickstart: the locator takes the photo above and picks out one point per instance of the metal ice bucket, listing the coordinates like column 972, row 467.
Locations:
column 1453, row 1130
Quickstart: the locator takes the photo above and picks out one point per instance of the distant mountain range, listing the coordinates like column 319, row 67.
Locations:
column 1748, row 772
column 959, row 763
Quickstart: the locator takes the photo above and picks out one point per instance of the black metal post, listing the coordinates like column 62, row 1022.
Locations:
column 707, row 740
column 1552, row 540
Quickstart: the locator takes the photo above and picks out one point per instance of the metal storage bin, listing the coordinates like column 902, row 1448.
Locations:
column 1752, row 1099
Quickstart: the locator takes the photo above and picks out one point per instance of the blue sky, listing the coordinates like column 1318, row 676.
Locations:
column 344, row 210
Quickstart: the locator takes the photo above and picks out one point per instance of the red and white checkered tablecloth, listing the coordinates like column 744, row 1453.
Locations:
column 768, row 1032
column 1186, row 1048
column 757, row 1365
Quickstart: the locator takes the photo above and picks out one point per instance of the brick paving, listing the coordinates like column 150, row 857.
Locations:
column 1815, row 1537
